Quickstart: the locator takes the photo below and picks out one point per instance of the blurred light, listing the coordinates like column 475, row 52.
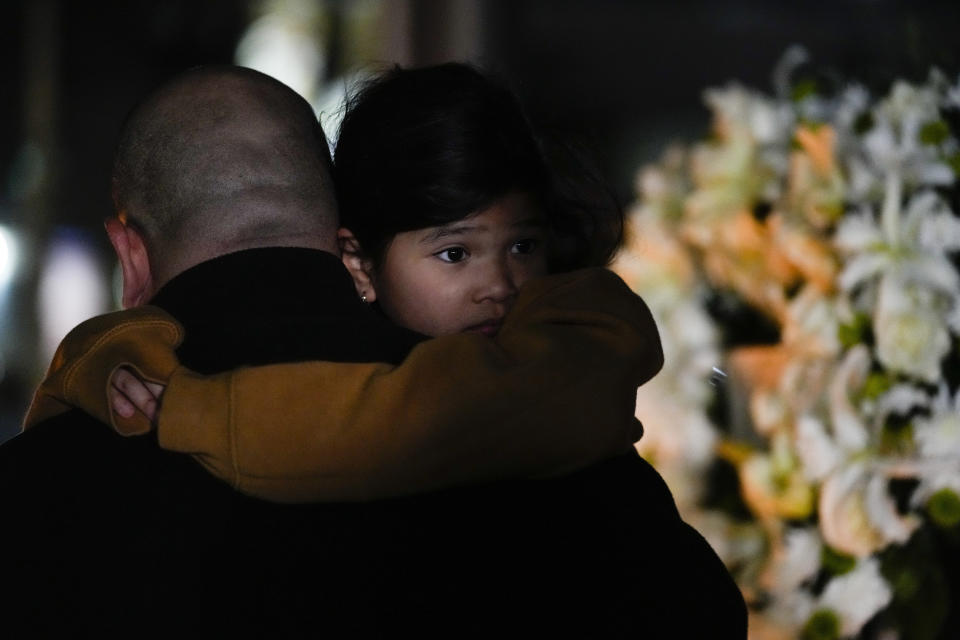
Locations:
column 28, row 171
column 717, row 377
column 72, row 288
column 8, row 256
column 284, row 43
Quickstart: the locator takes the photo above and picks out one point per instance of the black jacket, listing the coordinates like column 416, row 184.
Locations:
column 114, row 535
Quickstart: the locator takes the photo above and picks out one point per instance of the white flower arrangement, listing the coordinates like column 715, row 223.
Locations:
column 833, row 217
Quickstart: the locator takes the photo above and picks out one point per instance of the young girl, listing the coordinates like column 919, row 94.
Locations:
column 448, row 209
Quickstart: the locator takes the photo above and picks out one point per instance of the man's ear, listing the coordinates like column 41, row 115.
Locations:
column 358, row 264
column 134, row 262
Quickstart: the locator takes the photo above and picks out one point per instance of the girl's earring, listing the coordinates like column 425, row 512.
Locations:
column 363, row 297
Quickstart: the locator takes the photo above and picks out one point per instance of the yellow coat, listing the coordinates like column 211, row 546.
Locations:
column 554, row 391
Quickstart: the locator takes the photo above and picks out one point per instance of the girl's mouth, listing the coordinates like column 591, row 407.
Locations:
column 489, row 328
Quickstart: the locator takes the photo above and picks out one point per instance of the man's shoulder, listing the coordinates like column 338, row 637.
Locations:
column 71, row 427
column 623, row 477
column 599, row 552
column 617, row 497
column 626, row 483
column 73, row 462
column 165, row 538
column 74, row 447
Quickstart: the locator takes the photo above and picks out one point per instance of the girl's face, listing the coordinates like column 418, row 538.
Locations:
column 465, row 275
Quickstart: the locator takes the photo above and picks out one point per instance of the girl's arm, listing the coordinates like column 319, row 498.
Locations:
column 555, row 390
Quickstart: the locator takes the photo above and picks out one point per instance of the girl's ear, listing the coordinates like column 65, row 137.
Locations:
column 358, row 264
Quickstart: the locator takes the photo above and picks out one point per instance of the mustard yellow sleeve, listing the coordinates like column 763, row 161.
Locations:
column 143, row 339
column 555, row 390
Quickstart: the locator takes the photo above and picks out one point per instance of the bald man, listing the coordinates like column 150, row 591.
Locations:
column 226, row 220
column 219, row 160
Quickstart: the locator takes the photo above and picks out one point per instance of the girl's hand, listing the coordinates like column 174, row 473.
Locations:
column 81, row 375
column 129, row 393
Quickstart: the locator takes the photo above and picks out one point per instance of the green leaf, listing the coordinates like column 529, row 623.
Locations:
column 921, row 592
column 954, row 162
column 803, row 89
column 822, row 625
column 848, row 335
column 854, row 333
column 836, row 562
column 906, row 584
column 863, row 123
column 944, row 508
column 896, row 438
column 877, row 384
column 935, row 132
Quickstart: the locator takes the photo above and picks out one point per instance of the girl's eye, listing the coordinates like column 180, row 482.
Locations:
column 453, row 254
column 524, row 247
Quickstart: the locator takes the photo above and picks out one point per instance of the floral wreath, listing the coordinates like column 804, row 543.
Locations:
column 801, row 266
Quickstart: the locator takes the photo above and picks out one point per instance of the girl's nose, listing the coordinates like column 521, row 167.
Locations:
column 498, row 283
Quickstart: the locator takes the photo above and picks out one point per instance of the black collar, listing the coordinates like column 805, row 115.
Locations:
column 277, row 305
column 290, row 280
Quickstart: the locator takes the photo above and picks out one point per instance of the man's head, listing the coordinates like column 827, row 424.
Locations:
column 218, row 160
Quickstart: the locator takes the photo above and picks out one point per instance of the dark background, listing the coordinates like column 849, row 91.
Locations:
column 621, row 78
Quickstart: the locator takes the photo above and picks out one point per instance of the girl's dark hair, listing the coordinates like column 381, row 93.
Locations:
column 425, row 147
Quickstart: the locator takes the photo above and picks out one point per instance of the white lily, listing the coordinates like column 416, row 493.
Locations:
column 749, row 158
column 892, row 526
column 785, row 616
column 938, row 436
column 767, row 121
column 728, row 177
column 852, row 102
column 914, row 243
column 910, row 330
column 893, row 145
column 899, row 399
column 816, row 186
column 902, row 158
column 857, row 229
column 662, row 187
column 856, row 596
column 817, row 451
column 674, row 433
column 811, row 324
column 773, row 484
column 807, row 253
column 850, row 433
column 768, row 411
column 908, row 102
column 932, row 480
column 951, row 96
column 795, row 560
column 857, row 515
column 953, row 317
column 904, row 258
column 673, row 405
column 937, row 439
column 930, row 230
